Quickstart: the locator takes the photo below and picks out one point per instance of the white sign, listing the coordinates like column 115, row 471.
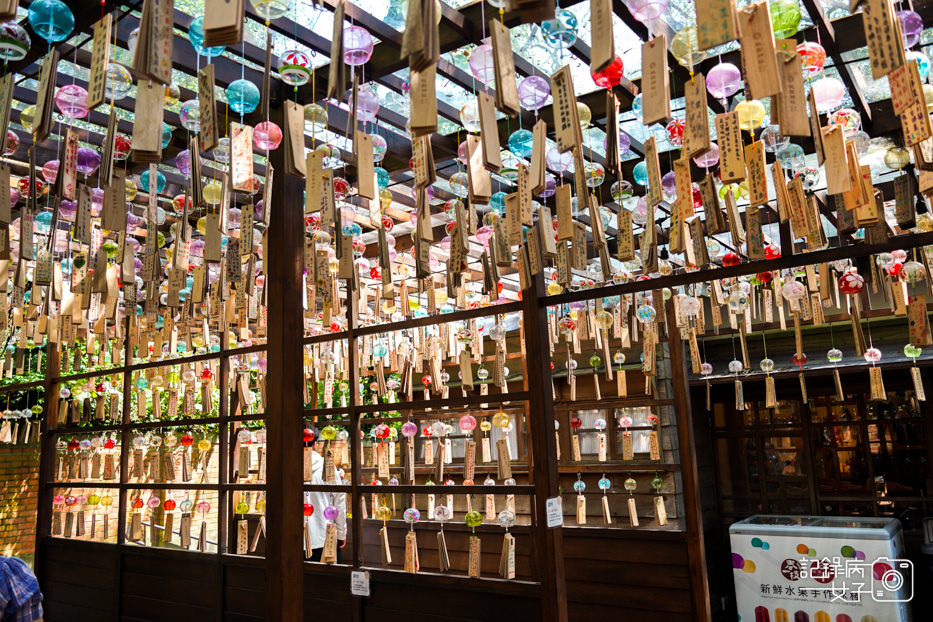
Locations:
column 359, row 583
column 555, row 512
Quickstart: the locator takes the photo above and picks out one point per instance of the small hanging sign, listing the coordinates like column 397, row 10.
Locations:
column 208, row 131
column 655, row 84
column 715, row 23
column 729, row 138
column 758, row 55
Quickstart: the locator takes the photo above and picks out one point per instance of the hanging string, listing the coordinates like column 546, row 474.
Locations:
column 459, row 162
column 871, row 345
column 483, row 16
column 226, row 135
column 314, row 95
column 197, row 70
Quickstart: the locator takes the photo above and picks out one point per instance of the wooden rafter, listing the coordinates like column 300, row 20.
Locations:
column 846, row 73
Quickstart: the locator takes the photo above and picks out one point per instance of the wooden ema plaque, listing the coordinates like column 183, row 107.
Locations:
column 696, row 132
column 507, row 560
column 729, row 135
column 758, row 54
column 715, row 23
column 656, row 85
column 473, row 564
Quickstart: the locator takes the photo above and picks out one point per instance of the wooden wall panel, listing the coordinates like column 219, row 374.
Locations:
column 244, row 603
column 138, row 608
column 78, row 580
column 244, row 596
column 327, row 593
column 377, row 614
column 619, row 611
column 94, row 600
column 176, row 591
column 442, row 597
column 611, row 574
column 632, row 546
column 644, row 573
column 155, row 584
column 57, row 611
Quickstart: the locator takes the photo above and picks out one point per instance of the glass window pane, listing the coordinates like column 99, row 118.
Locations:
column 784, row 456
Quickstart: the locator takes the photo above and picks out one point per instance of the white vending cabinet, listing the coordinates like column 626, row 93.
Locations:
column 820, row 569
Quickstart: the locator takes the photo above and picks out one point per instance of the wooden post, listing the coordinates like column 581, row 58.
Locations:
column 125, row 418
column 693, row 516
column 47, row 453
column 125, row 440
column 356, row 453
column 284, row 552
column 787, row 239
column 225, row 463
column 547, row 543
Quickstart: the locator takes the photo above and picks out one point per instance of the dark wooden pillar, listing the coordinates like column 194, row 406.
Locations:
column 787, row 239
column 125, row 435
column 284, row 407
column 355, row 440
column 47, row 452
column 548, row 543
column 693, row 514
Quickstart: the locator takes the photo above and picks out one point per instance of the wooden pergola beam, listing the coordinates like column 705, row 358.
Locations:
column 846, row 73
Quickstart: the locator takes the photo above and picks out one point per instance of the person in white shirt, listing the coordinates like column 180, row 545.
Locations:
column 317, row 524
